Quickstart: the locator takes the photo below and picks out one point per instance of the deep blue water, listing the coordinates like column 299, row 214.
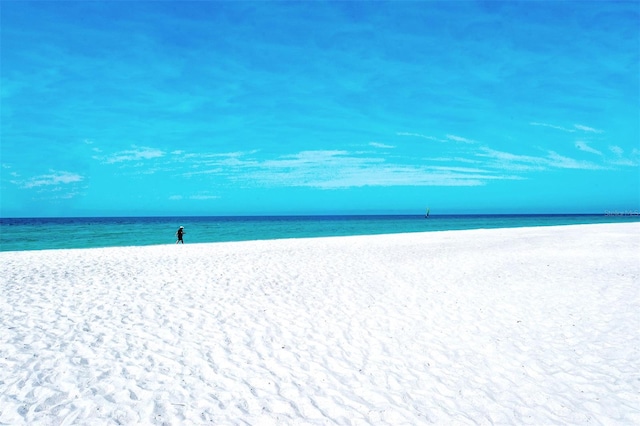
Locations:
column 56, row 233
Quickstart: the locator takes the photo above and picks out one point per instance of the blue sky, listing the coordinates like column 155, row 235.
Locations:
column 233, row 108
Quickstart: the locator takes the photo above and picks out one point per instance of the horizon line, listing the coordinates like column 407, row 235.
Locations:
column 630, row 213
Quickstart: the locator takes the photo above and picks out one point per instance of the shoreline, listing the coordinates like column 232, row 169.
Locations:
column 509, row 325
column 329, row 236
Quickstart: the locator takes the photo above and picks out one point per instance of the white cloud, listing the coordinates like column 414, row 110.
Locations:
column 455, row 159
column 380, row 145
column 309, row 158
column 632, row 160
column 583, row 146
column 508, row 161
column 333, row 169
column 135, row 154
column 397, row 176
column 576, row 127
column 226, row 159
column 552, row 126
column 227, row 164
column 459, row 139
column 586, row 128
column 418, row 135
column 341, row 169
column 448, row 137
column 193, row 197
column 53, row 178
column 203, row 172
column 458, row 169
column 204, row 197
column 558, row 161
column 616, row 150
column 625, row 162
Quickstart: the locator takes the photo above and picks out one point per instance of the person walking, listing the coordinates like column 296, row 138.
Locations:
column 179, row 234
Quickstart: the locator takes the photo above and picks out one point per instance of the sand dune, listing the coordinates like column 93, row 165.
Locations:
column 504, row 326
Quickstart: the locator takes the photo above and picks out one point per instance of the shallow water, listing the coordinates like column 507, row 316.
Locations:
column 56, row 233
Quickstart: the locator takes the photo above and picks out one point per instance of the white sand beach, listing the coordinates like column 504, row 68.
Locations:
column 505, row 326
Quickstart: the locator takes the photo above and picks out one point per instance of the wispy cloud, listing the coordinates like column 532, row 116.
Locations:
column 52, row 178
column 338, row 169
column 575, row 128
column 508, row 161
column 199, row 197
column 204, row 197
column 630, row 160
column 342, row 169
column 458, row 159
column 553, row 126
column 586, row 128
column 447, row 138
column 583, row 146
column 380, row 145
column 472, row 165
column 9, row 168
column 561, row 162
column 515, row 162
column 224, row 163
column 134, row 154
column 419, row 135
column 319, row 157
column 616, row 150
column 459, row 139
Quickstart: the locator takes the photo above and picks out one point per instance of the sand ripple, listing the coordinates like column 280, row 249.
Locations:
column 521, row 326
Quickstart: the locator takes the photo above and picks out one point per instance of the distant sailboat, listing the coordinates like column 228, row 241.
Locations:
column 426, row 215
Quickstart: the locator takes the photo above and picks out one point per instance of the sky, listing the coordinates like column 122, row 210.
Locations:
column 282, row 108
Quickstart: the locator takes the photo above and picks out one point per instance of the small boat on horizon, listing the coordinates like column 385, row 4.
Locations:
column 426, row 215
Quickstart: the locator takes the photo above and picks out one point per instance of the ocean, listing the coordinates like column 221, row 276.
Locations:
column 64, row 233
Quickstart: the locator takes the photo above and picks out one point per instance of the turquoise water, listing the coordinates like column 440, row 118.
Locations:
column 56, row 233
